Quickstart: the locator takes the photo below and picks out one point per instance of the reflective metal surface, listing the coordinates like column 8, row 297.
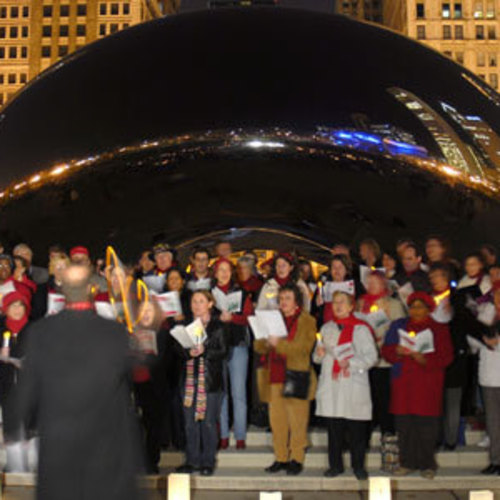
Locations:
column 309, row 123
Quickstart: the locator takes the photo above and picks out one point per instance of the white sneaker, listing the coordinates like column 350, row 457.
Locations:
column 485, row 442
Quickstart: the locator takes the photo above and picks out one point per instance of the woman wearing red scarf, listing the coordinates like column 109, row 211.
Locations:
column 379, row 309
column 289, row 416
column 284, row 271
column 346, row 351
column 238, row 343
column 17, row 309
column 417, row 381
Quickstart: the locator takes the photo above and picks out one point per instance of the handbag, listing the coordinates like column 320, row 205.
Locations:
column 296, row 384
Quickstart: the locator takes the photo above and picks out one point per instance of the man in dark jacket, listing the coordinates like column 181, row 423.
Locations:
column 75, row 387
column 412, row 272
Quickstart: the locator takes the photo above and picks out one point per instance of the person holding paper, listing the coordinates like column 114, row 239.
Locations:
column 13, row 331
column 412, row 272
column 146, row 265
column 346, row 351
column 114, row 298
column 475, row 275
column 176, row 282
column 149, row 342
column 248, row 278
column 284, row 271
column 288, row 382
column 200, row 277
column 437, row 251
column 417, row 382
column 234, row 312
column 339, row 277
column 164, row 256
column 370, row 253
column 8, row 283
column 489, row 380
column 203, row 386
column 379, row 309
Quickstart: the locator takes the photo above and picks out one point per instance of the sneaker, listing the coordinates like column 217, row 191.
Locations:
column 485, row 442
column 428, row 473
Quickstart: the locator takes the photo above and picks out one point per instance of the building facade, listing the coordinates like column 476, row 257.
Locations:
column 367, row 10
column 34, row 34
column 464, row 30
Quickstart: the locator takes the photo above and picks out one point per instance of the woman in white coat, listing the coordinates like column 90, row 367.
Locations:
column 346, row 352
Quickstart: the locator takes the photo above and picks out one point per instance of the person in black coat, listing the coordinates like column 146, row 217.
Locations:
column 75, row 385
column 412, row 271
column 203, row 386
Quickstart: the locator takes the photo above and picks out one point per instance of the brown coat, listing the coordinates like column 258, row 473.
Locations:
column 297, row 352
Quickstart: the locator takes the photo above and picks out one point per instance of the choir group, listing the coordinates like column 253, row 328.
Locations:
column 404, row 342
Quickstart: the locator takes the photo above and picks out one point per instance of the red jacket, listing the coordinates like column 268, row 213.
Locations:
column 418, row 389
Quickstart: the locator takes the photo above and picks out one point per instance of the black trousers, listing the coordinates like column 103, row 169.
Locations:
column 146, row 396
column 357, row 431
column 380, row 388
column 202, row 437
column 417, row 441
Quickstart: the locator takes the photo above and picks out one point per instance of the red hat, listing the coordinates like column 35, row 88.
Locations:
column 220, row 261
column 423, row 297
column 12, row 297
column 287, row 256
column 79, row 250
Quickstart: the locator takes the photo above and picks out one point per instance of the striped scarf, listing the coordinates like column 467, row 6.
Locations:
column 201, row 396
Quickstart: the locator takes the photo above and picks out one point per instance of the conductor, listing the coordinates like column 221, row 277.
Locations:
column 74, row 386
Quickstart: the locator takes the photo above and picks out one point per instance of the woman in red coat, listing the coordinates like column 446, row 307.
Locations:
column 417, row 380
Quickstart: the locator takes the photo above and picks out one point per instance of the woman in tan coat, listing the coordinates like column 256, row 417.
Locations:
column 287, row 382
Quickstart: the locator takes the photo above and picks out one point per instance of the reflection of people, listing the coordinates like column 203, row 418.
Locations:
column 75, row 387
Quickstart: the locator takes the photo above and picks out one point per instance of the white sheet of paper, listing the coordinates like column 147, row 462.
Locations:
column 275, row 324
column 364, row 272
column 169, row 302
column 180, row 334
column 485, row 286
column 422, row 342
column 155, row 283
column 189, row 336
column 404, row 292
column 230, row 302
column 375, row 319
column 443, row 312
column 330, row 287
column 105, row 310
column 202, row 284
column 55, row 303
column 343, row 351
column 5, row 289
column 487, row 313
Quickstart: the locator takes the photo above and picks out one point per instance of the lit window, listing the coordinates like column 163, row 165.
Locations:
column 80, row 30
column 421, row 32
column 457, row 11
column 63, row 30
column 446, row 11
column 12, row 52
column 47, row 11
column 81, row 9
column 478, row 9
column 47, row 30
column 12, row 78
column 479, row 32
column 24, row 32
column 103, row 9
column 459, row 32
column 64, row 11
column 494, row 80
column 447, row 32
column 490, row 9
column 46, row 51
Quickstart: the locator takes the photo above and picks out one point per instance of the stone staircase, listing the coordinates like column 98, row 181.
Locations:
column 244, row 470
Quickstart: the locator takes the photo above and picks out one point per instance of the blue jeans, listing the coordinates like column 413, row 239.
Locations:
column 237, row 364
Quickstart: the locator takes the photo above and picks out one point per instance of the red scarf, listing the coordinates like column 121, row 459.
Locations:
column 282, row 281
column 224, row 288
column 16, row 325
column 369, row 300
column 345, row 337
column 80, row 306
column 418, row 326
column 277, row 362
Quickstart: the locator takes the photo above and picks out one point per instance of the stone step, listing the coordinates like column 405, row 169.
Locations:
column 243, row 479
column 318, row 437
column 259, row 457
